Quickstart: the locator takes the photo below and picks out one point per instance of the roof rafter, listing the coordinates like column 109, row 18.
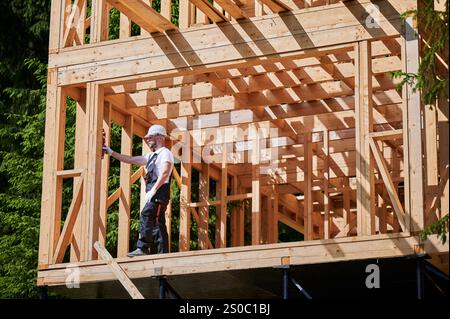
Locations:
column 143, row 15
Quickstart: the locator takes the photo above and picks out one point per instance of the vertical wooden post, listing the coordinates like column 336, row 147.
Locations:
column 234, row 215
column 125, row 26
column 57, row 21
column 99, row 21
column 148, row 2
column 275, row 216
column 443, row 155
column 81, row 29
column 240, row 220
column 104, row 176
column 382, row 210
column 270, row 218
column 91, row 190
column 256, row 188
column 326, row 195
column 200, row 17
column 185, row 194
column 218, row 214
column 53, row 162
column 168, row 215
column 223, row 200
column 145, row 150
column 265, row 202
column 123, row 243
column 259, row 8
column 204, row 210
column 79, row 163
column 346, row 199
column 166, row 9
column 308, row 209
column 184, row 14
column 363, row 126
column 412, row 138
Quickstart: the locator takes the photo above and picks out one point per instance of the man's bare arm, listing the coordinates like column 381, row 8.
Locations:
column 136, row 160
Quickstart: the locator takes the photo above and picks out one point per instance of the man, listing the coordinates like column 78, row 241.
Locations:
column 153, row 235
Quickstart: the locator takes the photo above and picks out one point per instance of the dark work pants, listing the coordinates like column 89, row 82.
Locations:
column 153, row 230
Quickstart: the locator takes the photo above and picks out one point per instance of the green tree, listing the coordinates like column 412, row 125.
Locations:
column 431, row 79
column 23, row 56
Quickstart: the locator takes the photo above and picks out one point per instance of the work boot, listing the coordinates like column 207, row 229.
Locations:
column 138, row 252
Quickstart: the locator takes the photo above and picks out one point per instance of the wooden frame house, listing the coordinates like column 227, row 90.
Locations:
column 287, row 105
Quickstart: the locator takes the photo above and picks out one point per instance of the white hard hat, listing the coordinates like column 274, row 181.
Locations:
column 156, row 130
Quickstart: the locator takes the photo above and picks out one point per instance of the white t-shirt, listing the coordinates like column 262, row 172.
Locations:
column 164, row 155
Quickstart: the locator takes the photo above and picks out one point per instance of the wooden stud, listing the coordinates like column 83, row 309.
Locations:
column 149, row 3
column 91, row 194
column 256, row 188
column 308, row 208
column 382, row 210
column 123, row 244
column 185, row 194
column 443, row 155
column 184, row 14
column 275, row 216
column 223, row 201
column 99, row 21
column 104, row 176
column 364, row 126
column 241, row 221
column 145, row 150
column 57, row 22
column 234, row 216
column 412, row 135
column 326, row 196
column 346, row 199
column 204, row 210
column 79, row 163
column 53, row 162
column 431, row 162
column 166, row 9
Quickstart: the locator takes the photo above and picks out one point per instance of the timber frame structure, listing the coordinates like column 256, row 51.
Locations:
column 288, row 105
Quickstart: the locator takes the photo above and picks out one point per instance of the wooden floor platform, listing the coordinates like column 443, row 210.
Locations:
column 189, row 271
column 340, row 280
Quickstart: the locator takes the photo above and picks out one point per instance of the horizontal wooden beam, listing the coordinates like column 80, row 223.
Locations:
column 221, row 46
column 69, row 173
column 250, row 257
column 380, row 52
column 218, row 202
column 387, row 135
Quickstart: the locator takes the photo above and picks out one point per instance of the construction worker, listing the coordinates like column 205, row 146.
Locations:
column 153, row 237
